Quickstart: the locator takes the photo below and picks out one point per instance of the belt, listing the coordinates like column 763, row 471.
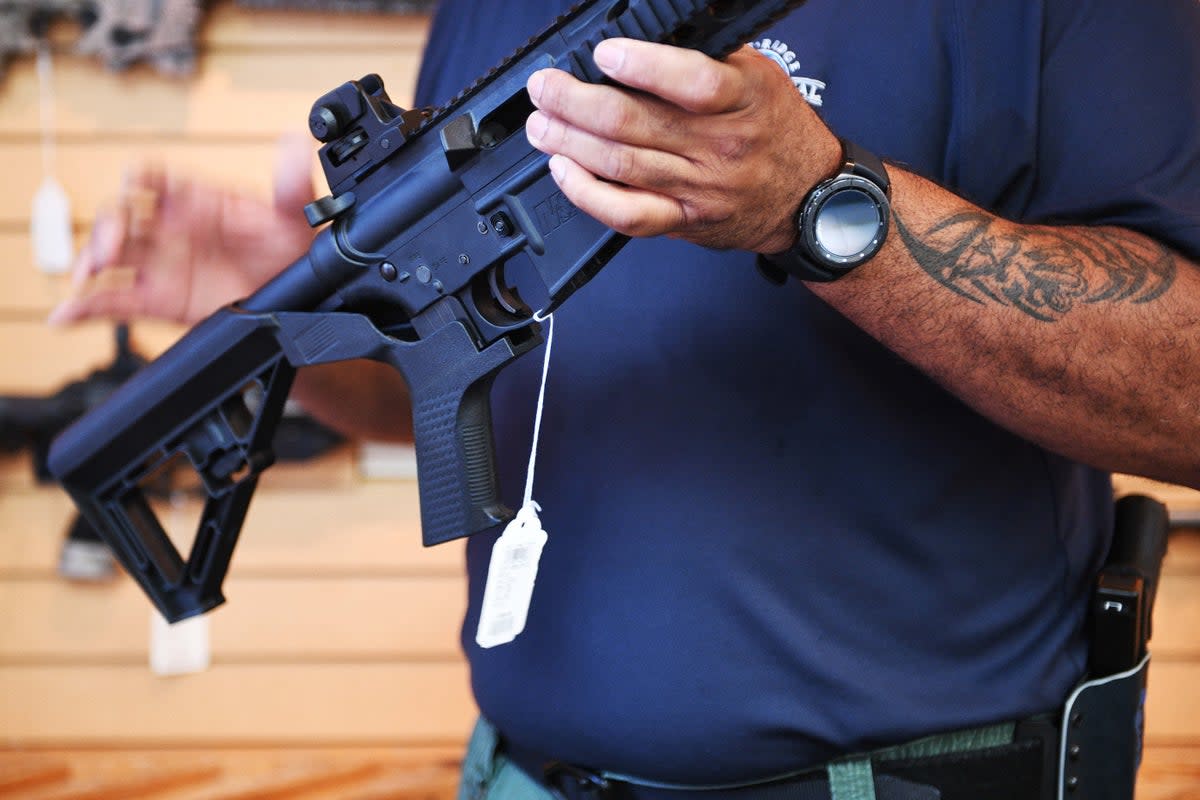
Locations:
column 1024, row 767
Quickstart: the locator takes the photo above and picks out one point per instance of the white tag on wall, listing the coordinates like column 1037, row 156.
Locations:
column 512, row 572
column 50, row 217
column 50, row 228
column 180, row 648
column 387, row 460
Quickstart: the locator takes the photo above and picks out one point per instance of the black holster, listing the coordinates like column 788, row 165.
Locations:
column 1103, row 721
column 1102, row 736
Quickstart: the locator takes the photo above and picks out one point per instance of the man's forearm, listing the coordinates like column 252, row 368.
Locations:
column 1081, row 339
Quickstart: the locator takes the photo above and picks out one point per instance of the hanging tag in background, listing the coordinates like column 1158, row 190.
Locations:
column 50, row 227
column 510, row 578
column 180, row 648
column 50, row 219
column 183, row 647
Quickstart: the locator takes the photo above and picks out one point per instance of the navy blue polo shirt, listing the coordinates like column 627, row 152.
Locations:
column 772, row 541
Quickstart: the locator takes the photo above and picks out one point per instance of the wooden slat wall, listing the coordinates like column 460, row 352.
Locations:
column 341, row 631
column 336, row 669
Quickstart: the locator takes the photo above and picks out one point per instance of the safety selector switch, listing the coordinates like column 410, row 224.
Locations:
column 326, row 208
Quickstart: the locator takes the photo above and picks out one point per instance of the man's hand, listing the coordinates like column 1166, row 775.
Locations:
column 176, row 248
column 717, row 153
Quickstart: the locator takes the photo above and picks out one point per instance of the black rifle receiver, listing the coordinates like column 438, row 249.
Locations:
column 426, row 208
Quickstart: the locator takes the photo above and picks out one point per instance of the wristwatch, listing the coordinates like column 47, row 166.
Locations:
column 841, row 223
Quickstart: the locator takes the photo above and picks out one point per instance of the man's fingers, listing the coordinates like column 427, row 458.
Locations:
column 140, row 178
column 687, row 78
column 609, row 111
column 631, row 211
column 101, row 249
column 64, row 313
column 107, row 302
column 612, row 160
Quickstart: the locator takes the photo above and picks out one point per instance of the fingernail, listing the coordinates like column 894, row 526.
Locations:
column 59, row 314
column 82, row 269
column 609, row 56
column 556, row 167
column 536, row 82
column 535, row 127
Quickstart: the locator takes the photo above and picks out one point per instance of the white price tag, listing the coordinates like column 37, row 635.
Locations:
column 511, row 575
column 50, row 228
column 180, row 648
column 50, row 219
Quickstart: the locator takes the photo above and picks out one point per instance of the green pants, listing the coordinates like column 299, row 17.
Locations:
column 488, row 775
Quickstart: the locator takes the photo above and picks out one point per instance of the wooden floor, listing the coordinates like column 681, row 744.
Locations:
column 264, row 774
column 1170, row 773
column 1167, row 773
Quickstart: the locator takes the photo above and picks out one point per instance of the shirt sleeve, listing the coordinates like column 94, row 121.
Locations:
column 1119, row 127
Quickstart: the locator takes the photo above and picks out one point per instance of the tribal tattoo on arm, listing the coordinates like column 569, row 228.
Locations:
column 1044, row 273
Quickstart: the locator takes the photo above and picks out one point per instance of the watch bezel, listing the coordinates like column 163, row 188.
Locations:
column 816, row 202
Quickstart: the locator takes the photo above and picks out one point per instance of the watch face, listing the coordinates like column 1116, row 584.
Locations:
column 848, row 222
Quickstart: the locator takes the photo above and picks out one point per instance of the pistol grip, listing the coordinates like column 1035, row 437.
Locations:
column 456, row 459
column 450, row 381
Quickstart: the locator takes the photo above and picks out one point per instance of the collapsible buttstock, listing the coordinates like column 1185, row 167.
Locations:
column 192, row 405
column 179, row 588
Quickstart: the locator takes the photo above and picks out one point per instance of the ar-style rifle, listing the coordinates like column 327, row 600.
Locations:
column 426, row 207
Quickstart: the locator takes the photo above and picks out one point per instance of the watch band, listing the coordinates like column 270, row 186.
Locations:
column 862, row 162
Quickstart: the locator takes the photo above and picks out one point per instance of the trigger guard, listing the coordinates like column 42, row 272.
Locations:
column 507, row 297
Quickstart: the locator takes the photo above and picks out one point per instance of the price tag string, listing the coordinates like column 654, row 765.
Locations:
column 537, row 417
column 513, row 567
